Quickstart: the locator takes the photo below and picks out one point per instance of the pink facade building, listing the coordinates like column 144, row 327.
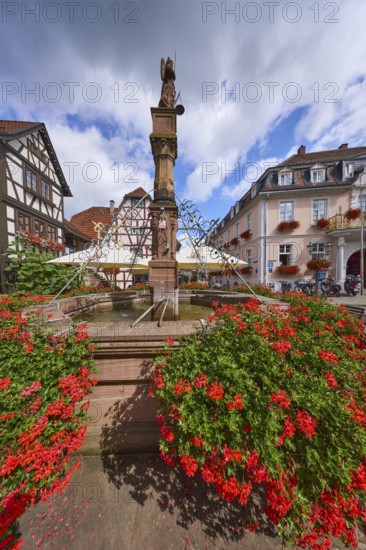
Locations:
column 311, row 206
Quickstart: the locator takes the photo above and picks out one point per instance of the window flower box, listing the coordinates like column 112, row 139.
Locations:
column 322, row 223
column 226, row 245
column 288, row 269
column 246, row 234
column 234, row 241
column 288, row 226
column 318, row 264
column 352, row 213
column 246, row 270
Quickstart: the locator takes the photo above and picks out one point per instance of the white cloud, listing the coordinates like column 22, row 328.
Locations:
column 288, row 65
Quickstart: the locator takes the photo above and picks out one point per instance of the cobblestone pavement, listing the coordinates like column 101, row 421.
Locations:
column 134, row 502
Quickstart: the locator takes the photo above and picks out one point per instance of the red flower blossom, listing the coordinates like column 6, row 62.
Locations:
column 167, row 458
column 280, row 399
column 306, row 423
column 167, row 434
column 327, row 355
column 357, row 413
column 201, row 381
column 189, row 465
column 215, row 391
column 241, row 326
column 252, row 460
column 158, row 380
column 34, row 387
column 5, row 383
column 282, row 347
column 228, row 488
column 259, row 474
column 331, row 379
column 197, row 441
column 182, row 386
column 169, row 341
column 231, row 455
column 9, row 464
column 81, row 336
column 289, row 430
column 236, row 403
column 209, row 473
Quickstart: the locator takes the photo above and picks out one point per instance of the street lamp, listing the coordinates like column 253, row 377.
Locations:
column 313, row 249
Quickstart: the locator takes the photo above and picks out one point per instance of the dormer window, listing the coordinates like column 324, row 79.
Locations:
column 348, row 170
column 285, row 177
column 317, row 173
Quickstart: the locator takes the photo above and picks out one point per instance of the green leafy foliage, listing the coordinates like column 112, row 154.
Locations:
column 274, row 396
column 44, row 379
column 28, row 272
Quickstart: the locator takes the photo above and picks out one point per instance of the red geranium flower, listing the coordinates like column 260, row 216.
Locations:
column 306, row 423
column 182, row 386
column 282, row 347
column 236, row 403
column 280, row 399
column 189, row 465
column 327, row 355
column 215, row 391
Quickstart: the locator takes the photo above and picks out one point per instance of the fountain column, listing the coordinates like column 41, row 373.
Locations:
column 163, row 267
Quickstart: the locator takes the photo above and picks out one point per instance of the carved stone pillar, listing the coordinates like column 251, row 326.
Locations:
column 163, row 267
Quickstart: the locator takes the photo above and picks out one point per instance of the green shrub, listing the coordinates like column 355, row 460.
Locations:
column 274, row 397
column 43, row 380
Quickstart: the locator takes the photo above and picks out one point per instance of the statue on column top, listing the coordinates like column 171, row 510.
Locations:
column 167, row 99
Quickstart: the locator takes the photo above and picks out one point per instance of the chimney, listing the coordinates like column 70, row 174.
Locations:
column 301, row 150
column 111, row 206
column 343, row 146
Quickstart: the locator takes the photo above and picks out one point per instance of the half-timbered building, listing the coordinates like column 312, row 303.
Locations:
column 32, row 185
column 134, row 229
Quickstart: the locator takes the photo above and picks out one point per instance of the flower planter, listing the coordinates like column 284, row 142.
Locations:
column 322, row 223
column 246, row 270
column 40, row 242
column 288, row 226
column 316, row 265
column 234, row 241
column 288, row 269
column 246, row 234
column 352, row 214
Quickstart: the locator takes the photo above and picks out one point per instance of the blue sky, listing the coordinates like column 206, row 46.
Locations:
column 257, row 80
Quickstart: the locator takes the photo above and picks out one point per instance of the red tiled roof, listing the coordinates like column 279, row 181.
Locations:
column 138, row 193
column 333, row 155
column 14, row 126
column 83, row 221
column 70, row 228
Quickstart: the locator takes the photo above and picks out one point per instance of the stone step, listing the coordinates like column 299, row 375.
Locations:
column 134, row 405
column 137, row 437
column 123, row 369
column 122, row 425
